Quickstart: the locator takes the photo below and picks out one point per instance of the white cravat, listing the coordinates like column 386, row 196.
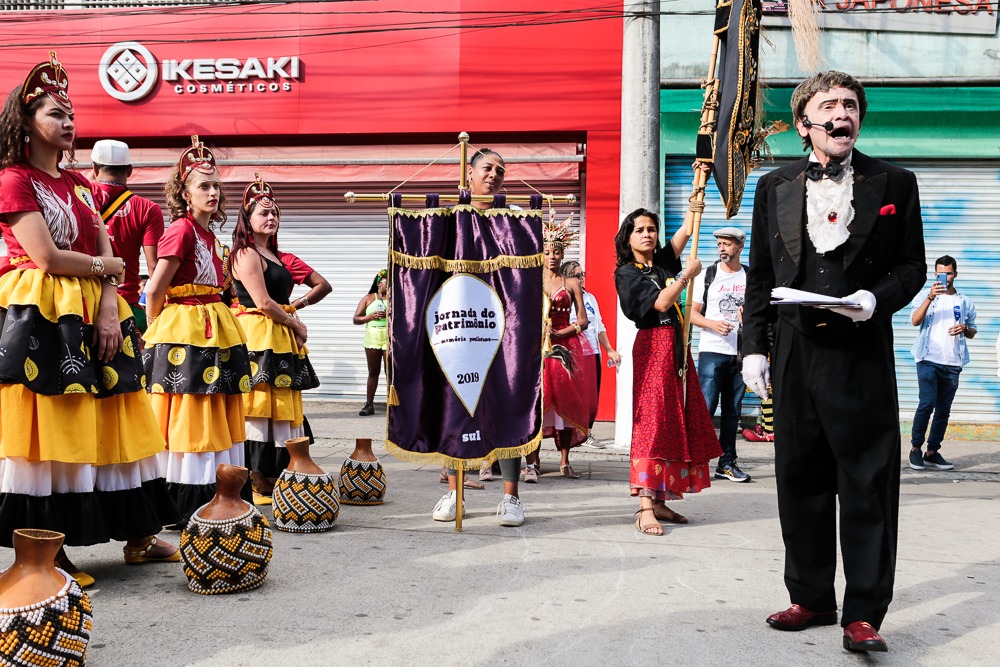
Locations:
column 828, row 208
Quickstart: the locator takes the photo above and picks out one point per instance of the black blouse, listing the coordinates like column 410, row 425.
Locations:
column 277, row 280
column 638, row 289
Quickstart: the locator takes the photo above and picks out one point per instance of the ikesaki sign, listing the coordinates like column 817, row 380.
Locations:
column 129, row 72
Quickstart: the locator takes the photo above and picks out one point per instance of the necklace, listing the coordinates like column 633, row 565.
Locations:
column 124, row 185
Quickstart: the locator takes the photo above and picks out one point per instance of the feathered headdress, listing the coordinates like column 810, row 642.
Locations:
column 559, row 233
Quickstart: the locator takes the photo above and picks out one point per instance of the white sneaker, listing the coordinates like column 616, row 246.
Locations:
column 591, row 443
column 510, row 511
column 445, row 508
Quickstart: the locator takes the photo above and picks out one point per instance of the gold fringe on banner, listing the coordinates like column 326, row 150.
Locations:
column 488, row 212
column 467, row 265
column 436, row 458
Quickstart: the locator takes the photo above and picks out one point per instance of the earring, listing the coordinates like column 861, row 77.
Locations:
column 27, row 139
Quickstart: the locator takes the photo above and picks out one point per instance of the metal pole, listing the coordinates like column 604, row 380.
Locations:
column 459, row 498
column 640, row 163
column 463, row 173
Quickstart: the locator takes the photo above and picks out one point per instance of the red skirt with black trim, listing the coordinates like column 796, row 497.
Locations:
column 672, row 442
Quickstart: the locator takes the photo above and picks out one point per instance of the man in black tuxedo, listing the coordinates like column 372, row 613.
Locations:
column 840, row 224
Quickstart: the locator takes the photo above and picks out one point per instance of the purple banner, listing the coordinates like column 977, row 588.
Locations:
column 465, row 331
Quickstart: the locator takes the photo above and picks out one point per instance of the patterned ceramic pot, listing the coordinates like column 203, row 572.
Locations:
column 304, row 497
column 226, row 546
column 362, row 478
column 45, row 617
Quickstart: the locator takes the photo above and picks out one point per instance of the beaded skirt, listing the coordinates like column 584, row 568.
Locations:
column 362, row 483
column 226, row 556
column 51, row 633
column 305, row 503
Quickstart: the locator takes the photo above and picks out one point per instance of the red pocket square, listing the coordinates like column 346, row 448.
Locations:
column 889, row 209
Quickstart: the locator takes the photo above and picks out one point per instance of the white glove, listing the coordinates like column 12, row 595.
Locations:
column 867, row 301
column 756, row 373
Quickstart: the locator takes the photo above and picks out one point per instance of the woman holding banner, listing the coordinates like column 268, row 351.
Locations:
column 673, row 439
column 486, row 175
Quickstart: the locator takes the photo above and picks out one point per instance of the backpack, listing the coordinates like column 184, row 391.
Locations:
column 710, row 276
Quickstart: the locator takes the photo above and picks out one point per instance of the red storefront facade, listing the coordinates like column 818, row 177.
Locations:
column 313, row 95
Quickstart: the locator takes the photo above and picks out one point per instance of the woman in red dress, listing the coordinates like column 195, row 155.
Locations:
column 567, row 378
column 672, row 439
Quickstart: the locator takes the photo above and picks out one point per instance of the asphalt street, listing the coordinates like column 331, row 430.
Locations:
column 576, row 585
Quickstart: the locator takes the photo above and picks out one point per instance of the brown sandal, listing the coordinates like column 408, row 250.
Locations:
column 568, row 472
column 649, row 529
column 668, row 514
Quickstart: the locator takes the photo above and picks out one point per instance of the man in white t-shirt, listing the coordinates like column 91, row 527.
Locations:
column 946, row 318
column 716, row 311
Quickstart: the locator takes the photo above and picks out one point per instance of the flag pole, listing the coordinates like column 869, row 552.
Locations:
column 696, row 202
column 463, row 139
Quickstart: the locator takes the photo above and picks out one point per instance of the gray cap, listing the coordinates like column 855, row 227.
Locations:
column 730, row 233
column 111, row 153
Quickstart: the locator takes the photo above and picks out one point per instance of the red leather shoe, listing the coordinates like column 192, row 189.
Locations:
column 797, row 618
column 860, row 636
column 757, row 434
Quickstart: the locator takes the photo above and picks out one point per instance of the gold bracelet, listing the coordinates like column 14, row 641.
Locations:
column 96, row 266
column 288, row 320
column 578, row 328
column 304, row 301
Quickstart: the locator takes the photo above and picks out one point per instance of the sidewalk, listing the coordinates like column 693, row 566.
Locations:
column 575, row 586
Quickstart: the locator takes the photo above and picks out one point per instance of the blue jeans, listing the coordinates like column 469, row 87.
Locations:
column 720, row 376
column 938, row 384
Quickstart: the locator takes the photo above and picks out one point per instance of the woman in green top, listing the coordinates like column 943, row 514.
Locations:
column 371, row 312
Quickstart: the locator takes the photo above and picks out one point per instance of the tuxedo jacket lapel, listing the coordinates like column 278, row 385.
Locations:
column 869, row 192
column 790, row 195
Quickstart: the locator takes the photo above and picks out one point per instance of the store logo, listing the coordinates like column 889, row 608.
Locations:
column 127, row 71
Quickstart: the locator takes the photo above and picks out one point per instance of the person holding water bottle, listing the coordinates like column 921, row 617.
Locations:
column 946, row 318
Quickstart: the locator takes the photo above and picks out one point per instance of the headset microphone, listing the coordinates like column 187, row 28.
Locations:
column 828, row 125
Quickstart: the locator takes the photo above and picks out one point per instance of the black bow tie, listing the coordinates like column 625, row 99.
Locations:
column 815, row 172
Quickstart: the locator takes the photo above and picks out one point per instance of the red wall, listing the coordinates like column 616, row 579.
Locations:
column 366, row 71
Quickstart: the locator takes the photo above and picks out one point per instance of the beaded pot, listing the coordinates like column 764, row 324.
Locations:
column 362, row 479
column 226, row 546
column 304, row 497
column 45, row 617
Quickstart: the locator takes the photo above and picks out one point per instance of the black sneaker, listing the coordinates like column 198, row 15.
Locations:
column 916, row 459
column 369, row 409
column 731, row 472
column 935, row 461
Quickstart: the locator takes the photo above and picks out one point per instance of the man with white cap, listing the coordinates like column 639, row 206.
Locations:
column 718, row 302
column 134, row 223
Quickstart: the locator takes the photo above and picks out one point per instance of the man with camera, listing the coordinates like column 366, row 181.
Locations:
column 946, row 318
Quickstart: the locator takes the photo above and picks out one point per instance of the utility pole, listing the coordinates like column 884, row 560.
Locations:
column 640, row 164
